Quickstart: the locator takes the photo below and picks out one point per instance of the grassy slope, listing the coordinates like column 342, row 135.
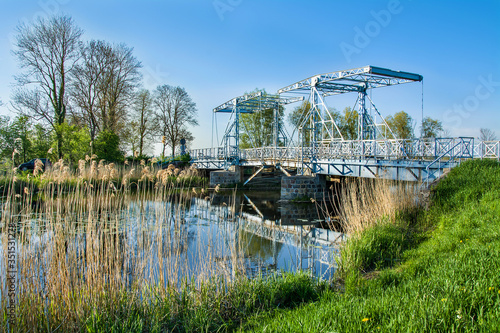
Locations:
column 449, row 278
column 203, row 308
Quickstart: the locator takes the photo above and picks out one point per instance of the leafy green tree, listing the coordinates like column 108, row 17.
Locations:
column 76, row 143
column 430, row 128
column 300, row 119
column 257, row 129
column 41, row 140
column 7, row 137
column 340, row 120
column 15, row 134
column 22, row 126
column 348, row 123
column 401, row 124
column 297, row 118
column 107, row 146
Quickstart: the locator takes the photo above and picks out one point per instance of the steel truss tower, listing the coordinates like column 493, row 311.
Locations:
column 320, row 122
column 248, row 104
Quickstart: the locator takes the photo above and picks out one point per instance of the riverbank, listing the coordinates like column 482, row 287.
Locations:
column 423, row 271
column 87, row 252
column 124, row 177
column 434, row 270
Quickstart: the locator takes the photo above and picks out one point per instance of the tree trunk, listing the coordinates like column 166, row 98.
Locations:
column 59, row 144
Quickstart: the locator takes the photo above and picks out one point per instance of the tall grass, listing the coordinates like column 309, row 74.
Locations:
column 87, row 244
column 105, row 248
column 378, row 217
column 365, row 202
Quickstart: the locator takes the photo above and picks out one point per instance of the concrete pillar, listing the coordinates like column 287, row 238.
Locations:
column 303, row 187
column 226, row 177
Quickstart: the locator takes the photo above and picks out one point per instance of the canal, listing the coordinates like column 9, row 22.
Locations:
column 193, row 236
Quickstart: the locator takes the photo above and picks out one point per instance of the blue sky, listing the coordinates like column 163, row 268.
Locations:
column 220, row 49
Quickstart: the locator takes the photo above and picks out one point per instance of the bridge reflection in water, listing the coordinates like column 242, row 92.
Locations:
column 273, row 237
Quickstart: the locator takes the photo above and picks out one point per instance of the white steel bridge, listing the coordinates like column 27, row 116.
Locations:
column 410, row 160
column 322, row 148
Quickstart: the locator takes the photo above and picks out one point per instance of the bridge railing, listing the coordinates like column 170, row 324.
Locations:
column 272, row 153
column 487, row 149
column 381, row 149
column 414, row 149
column 207, row 153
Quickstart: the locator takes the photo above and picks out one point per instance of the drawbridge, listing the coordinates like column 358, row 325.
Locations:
column 374, row 151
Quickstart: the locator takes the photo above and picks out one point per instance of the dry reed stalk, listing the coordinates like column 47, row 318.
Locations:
column 81, row 249
column 365, row 202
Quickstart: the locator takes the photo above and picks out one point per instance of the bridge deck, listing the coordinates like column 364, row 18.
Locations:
column 412, row 160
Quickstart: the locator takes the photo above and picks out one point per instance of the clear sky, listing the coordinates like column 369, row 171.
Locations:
column 220, row 49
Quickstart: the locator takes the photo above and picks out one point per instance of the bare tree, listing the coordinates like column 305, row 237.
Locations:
column 487, row 135
column 176, row 110
column 87, row 82
column 131, row 138
column 120, row 80
column 47, row 51
column 144, row 125
column 104, row 85
column 445, row 133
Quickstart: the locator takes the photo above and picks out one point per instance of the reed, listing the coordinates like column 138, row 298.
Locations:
column 379, row 218
column 365, row 203
column 90, row 251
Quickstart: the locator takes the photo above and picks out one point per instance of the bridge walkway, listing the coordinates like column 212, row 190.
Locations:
column 410, row 160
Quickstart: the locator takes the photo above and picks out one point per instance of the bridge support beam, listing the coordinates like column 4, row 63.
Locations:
column 303, row 187
column 226, row 177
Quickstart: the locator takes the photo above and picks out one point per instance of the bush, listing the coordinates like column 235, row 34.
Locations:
column 106, row 147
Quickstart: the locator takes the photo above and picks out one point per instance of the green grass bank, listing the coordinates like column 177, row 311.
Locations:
column 423, row 271
column 417, row 271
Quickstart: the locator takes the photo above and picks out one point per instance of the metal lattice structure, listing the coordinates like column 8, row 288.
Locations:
column 327, row 152
column 249, row 104
column 321, row 123
column 410, row 160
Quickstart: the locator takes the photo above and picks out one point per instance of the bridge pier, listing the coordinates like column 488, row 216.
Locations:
column 226, row 177
column 303, row 187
